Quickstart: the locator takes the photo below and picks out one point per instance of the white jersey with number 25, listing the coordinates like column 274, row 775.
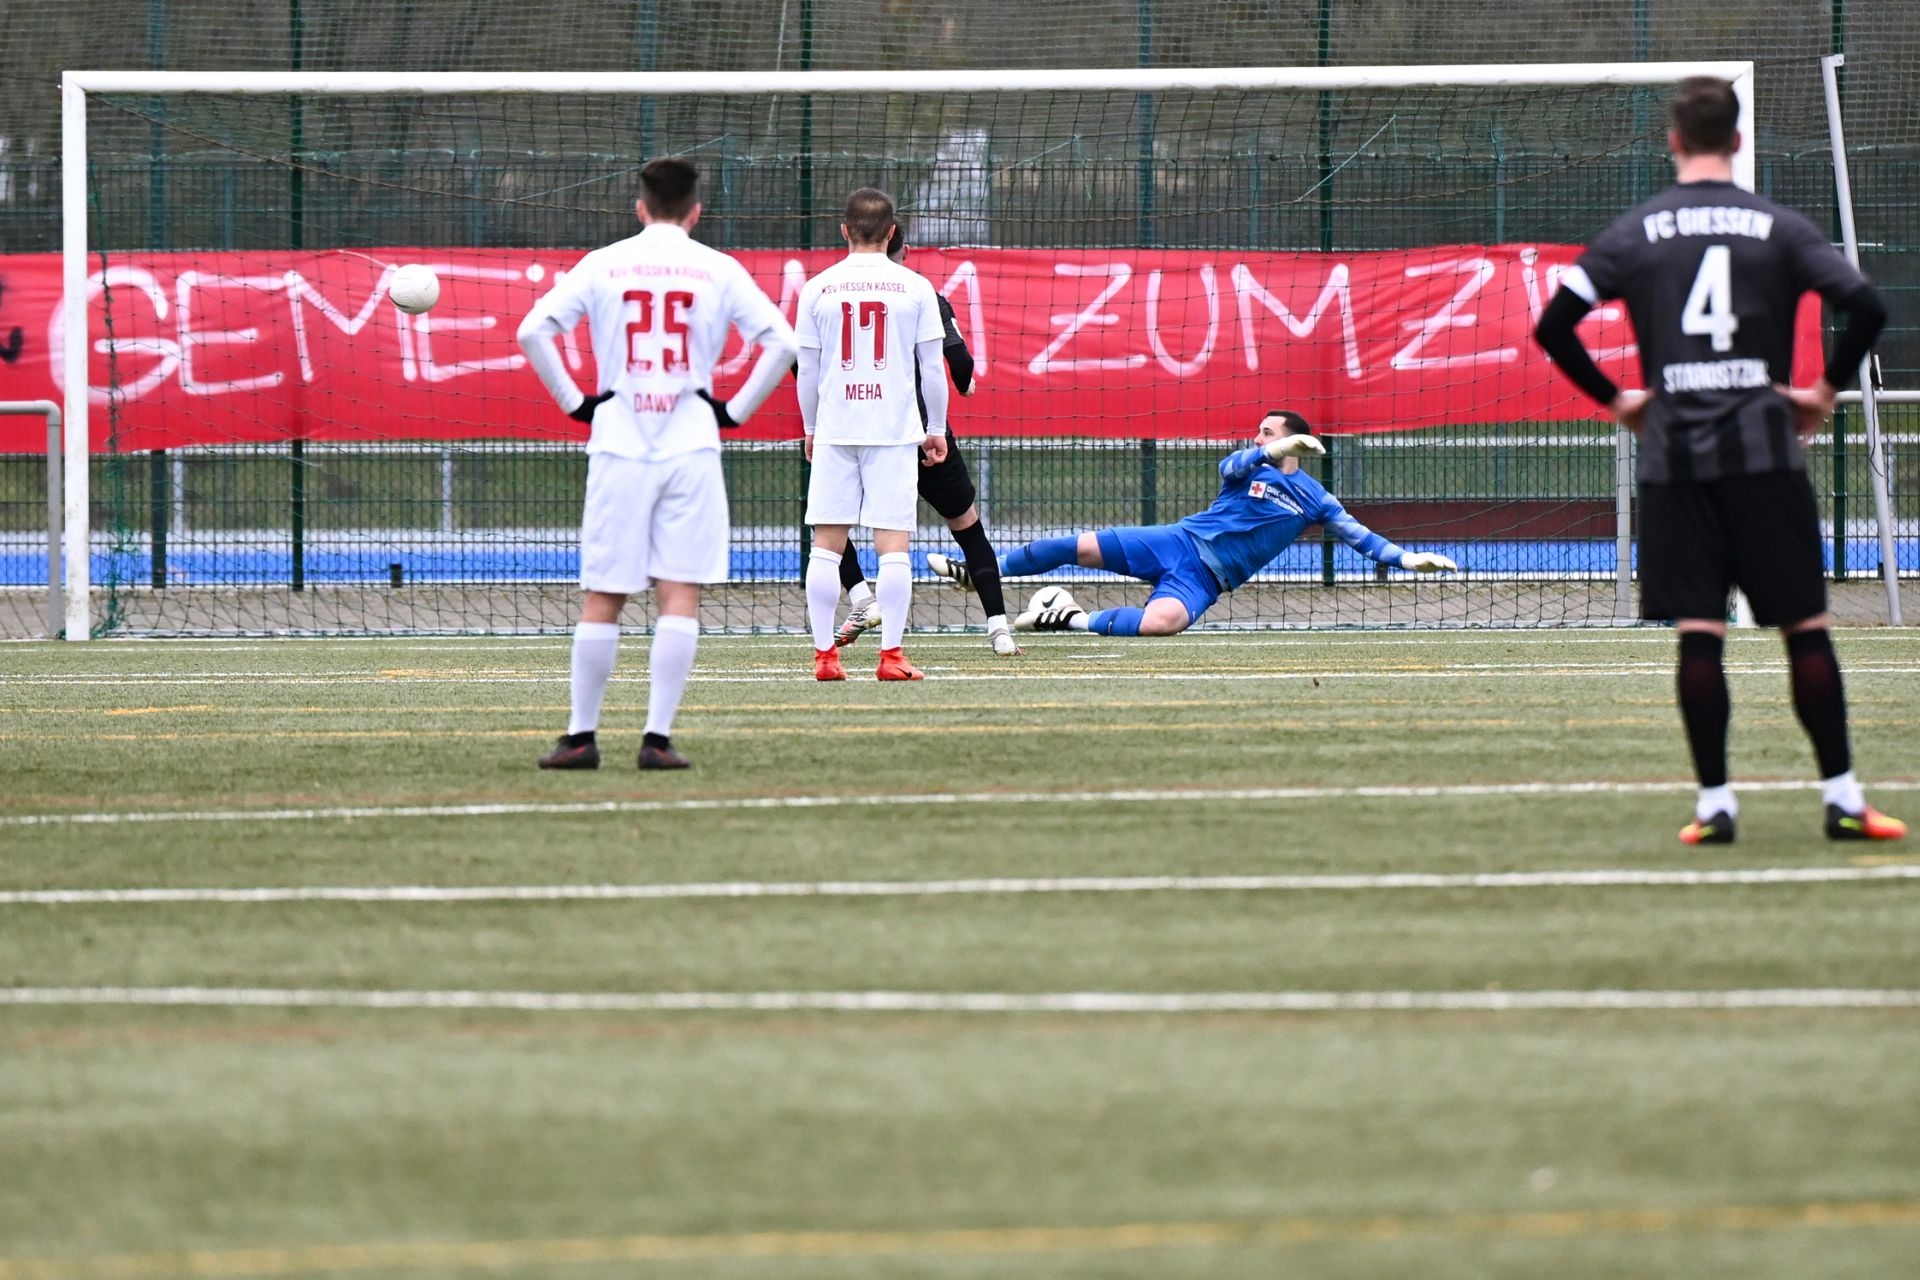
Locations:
column 865, row 314
column 659, row 305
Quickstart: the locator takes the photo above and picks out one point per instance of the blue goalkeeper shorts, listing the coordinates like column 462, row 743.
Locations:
column 1164, row 555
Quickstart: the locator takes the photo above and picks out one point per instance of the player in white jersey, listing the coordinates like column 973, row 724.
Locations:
column 658, row 306
column 864, row 325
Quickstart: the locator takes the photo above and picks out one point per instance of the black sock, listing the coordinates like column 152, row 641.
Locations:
column 1704, row 704
column 1819, row 698
column 850, row 574
column 655, row 740
column 580, row 739
column 982, row 567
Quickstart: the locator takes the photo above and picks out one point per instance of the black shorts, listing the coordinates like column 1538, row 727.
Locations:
column 947, row 486
column 1759, row 533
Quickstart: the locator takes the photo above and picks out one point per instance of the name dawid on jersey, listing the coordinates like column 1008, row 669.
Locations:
column 1712, row 276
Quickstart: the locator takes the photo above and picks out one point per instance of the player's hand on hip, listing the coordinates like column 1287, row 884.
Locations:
column 935, row 448
column 1427, row 562
column 583, row 412
column 721, row 417
column 1629, row 409
column 1812, row 406
column 1301, row 446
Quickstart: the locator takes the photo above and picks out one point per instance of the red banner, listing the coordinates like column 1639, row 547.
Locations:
column 217, row 348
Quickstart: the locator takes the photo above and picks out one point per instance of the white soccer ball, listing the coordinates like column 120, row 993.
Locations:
column 414, row 288
column 1047, row 599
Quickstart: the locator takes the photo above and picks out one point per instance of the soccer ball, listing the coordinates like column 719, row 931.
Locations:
column 1047, row 599
column 414, row 288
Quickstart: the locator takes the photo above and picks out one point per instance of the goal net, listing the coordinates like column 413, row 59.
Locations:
column 1143, row 263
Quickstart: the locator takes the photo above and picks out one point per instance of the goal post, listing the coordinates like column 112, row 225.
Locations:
column 1212, row 96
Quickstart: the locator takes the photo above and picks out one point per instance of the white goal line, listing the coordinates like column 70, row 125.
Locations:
column 731, row 889
column 1153, row 795
column 971, row 1001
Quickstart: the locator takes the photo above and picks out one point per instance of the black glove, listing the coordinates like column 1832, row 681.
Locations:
column 583, row 412
column 719, row 407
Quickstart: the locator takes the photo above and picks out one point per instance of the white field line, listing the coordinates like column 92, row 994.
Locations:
column 1159, row 795
column 1354, row 637
column 972, row 1001
column 963, row 888
column 1651, row 637
column 1559, row 670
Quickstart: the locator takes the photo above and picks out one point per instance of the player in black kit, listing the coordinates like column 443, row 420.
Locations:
column 1712, row 276
column 947, row 487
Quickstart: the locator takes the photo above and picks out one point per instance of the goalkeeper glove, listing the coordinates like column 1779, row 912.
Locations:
column 719, row 407
column 1427, row 562
column 1294, row 447
column 583, row 412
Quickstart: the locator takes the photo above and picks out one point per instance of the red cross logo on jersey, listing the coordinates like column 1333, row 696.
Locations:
column 1258, row 489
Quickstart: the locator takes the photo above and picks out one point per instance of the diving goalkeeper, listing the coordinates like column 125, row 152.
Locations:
column 1265, row 504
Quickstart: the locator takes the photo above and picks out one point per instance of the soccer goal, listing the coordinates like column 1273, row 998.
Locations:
column 1143, row 261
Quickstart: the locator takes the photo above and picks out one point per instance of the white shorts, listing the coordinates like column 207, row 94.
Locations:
column 876, row 485
column 653, row 520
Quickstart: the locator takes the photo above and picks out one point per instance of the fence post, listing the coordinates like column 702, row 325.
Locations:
column 1326, row 534
column 1149, row 482
column 1623, row 524
column 298, row 516
column 159, row 513
column 1840, row 494
column 56, row 522
column 446, row 489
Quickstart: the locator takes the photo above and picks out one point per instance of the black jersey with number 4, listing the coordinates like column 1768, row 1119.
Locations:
column 1712, row 277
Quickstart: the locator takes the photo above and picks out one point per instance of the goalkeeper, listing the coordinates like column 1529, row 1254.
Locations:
column 1265, row 504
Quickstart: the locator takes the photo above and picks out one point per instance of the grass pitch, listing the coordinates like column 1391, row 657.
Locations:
column 187, row 1087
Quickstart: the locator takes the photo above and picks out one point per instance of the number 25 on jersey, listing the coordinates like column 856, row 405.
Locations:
column 871, row 316
column 657, row 337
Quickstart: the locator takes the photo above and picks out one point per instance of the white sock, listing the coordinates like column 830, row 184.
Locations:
column 859, row 593
column 669, row 663
column 1844, row 790
column 893, row 588
column 823, row 595
column 595, row 645
column 1714, row 800
column 998, row 622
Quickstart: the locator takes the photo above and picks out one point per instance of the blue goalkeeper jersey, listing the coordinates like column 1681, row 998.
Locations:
column 1261, row 511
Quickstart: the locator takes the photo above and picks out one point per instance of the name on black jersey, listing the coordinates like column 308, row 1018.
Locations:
column 1708, row 220
column 1716, row 375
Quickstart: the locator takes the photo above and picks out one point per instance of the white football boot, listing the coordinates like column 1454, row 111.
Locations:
column 864, row 618
column 954, row 571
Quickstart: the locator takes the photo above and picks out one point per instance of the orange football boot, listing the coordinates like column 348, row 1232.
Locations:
column 1868, row 824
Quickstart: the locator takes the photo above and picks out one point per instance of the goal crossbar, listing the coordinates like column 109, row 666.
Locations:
column 77, row 85
column 1120, row 80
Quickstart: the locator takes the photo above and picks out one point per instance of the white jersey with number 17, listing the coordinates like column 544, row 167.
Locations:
column 659, row 305
column 865, row 315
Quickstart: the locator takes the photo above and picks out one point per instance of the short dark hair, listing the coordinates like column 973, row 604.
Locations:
column 1296, row 425
column 669, row 187
column 1706, row 115
column 869, row 215
column 897, row 243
